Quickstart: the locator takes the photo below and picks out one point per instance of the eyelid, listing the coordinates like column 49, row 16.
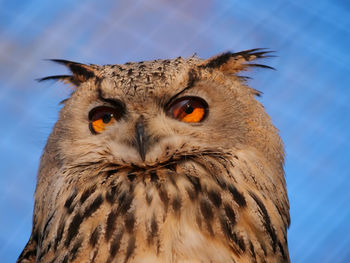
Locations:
column 114, row 102
column 118, row 104
column 104, row 108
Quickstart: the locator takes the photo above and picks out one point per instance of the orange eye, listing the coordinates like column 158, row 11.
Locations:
column 188, row 109
column 101, row 117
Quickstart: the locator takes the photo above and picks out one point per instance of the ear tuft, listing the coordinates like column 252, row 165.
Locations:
column 81, row 72
column 233, row 63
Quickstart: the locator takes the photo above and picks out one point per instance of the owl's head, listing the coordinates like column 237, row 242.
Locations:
column 147, row 114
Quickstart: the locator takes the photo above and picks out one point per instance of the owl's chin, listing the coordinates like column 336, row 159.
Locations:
column 149, row 165
column 153, row 161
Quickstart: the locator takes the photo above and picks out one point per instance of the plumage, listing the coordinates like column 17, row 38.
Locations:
column 161, row 161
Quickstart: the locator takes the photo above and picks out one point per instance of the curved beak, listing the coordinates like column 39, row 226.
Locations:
column 141, row 138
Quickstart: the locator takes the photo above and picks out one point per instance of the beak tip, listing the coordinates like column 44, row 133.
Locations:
column 141, row 151
column 143, row 157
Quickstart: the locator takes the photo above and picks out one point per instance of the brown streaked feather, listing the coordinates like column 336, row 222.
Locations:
column 28, row 254
column 67, row 79
column 81, row 72
column 76, row 67
column 233, row 63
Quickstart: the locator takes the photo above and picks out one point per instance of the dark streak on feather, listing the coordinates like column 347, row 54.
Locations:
column 111, row 194
column 238, row 241
column 93, row 206
column 59, row 234
column 241, row 243
column 252, row 250
column 73, row 228
column 110, row 224
column 154, row 176
column 237, row 196
column 282, row 250
column 218, row 61
column 80, row 72
column 94, row 236
column 260, row 66
column 176, row 204
column 206, row 210
column 172, row 179
column 207, row 213
column 266, row 220
column 115, row 245
column 195, row 181
column 68, row 78
column 69, row 201
column 149, row 197
column 40, row 255
column 263, row 248
column 87, row 193
column 226, row 228
column 191, row 193
column 163, row 195
column 125, row 201
column 199, row 221
column 94, row 256
column 131, row 177
column 65, row 259
column 29, row 254
column 130, row 222
column 192, row 78
column 44, row 233
column 153, row 231
column 215, row 198
column 171, row 167
column 35, row 234
column 246, row 54
column 285, row 217
column 74, row 251
column 111, row 172
column 130, row 249
column 230, row 215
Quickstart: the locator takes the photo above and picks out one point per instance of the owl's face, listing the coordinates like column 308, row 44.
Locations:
column 161, row 161
column 152, row 113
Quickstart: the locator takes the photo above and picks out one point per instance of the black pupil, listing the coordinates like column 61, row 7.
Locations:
column 107, row 117
column 189, row 109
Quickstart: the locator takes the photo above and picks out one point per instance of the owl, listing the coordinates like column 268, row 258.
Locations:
column 161, row 161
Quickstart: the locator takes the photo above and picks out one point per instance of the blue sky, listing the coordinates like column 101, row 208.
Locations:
column 306, row 97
